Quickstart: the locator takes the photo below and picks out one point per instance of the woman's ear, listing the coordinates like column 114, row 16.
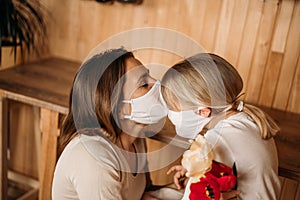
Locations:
column 204, row 112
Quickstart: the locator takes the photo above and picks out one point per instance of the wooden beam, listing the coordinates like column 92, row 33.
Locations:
column 49, row 124
column 25, row 180
column 3, row 146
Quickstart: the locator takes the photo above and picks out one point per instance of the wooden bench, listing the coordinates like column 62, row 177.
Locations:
column 44, row 84
column 287, row 142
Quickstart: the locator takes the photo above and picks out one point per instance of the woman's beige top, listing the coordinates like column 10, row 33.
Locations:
column 238, row 140
column 89, row 168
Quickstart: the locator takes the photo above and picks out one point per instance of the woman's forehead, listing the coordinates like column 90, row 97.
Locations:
column 135, row 76
column 135, row 70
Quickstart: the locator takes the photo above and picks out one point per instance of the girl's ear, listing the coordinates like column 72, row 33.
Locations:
column 204, row 112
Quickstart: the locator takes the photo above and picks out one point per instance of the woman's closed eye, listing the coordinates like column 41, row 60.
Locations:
column 144, row 85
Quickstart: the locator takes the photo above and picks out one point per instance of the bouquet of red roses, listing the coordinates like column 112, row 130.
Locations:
column 209, row 178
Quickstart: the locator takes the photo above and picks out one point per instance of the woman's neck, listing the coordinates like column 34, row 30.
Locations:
column 126, row 142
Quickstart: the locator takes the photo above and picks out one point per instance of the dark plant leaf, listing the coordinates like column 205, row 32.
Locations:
column 22, row 24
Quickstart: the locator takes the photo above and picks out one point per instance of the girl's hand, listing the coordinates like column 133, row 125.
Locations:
column 180, row 172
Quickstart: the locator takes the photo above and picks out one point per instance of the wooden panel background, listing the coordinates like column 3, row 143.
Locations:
column 260, row 38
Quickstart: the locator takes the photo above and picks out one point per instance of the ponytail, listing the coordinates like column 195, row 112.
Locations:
column 265, row 123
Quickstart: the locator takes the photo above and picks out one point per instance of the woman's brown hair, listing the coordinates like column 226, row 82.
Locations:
column 94, row 98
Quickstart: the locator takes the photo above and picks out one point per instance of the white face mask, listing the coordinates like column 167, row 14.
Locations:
column 188, row 123
column 149, row 108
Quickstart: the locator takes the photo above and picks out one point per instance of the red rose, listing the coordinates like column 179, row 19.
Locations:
column 207, row 188
column 220, row 178
column 224, row 175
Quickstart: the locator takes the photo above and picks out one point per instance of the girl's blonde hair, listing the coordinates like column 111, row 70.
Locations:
column 210, row 81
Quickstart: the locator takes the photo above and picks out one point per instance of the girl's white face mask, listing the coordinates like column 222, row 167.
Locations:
column 149, row 108
column 188, row 123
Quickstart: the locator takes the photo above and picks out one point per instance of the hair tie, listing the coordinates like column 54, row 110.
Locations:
column 240, row 106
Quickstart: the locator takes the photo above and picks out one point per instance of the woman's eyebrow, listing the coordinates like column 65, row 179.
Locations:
column 143, row 76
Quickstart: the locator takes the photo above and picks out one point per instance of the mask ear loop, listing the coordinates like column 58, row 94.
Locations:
column 127, row 116
column 229, row 111
column 213, row 122
column 127, row 101
column 228, row 108
column 240, row 106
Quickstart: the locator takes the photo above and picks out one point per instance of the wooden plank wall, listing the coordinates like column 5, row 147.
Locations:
column 261, row 38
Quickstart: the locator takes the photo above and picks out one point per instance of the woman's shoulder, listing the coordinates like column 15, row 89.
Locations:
column 91, row 147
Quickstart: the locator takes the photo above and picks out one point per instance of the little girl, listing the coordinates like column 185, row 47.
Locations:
column 203, row 95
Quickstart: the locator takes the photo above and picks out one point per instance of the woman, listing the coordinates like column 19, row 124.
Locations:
column 103, row 152
column 203, row 94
